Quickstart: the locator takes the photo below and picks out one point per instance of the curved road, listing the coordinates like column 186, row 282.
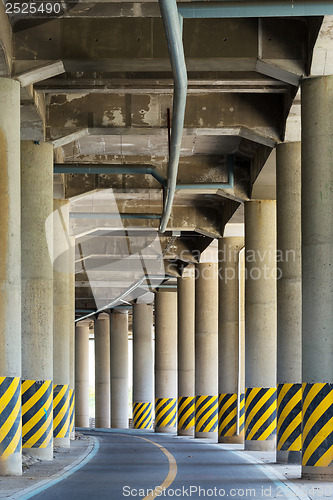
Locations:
column 131, row 464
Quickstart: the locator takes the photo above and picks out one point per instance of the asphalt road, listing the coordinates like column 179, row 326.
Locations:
column 127, row 466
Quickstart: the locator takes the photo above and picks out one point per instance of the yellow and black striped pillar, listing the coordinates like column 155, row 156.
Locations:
column 206, row 350
column 186, row 414
column 206, row 415
column 37, row 418
column 260, row 416
column 242, row 415
column 186, row 352
column 317, row 278
column 61, row 415
column 317, row 434
column 289, row 422
column 71, row 411
column 260, row 325
column 229, row 412
column 10, row 425
column 166, row 362
column 227, row 415
column 142, row 415
column 165, row 414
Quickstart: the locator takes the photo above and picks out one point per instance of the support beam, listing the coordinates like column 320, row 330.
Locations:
column 206, row 351
column 37, row 298
column 289, row 303
column 231, row 399
column 61, row 324
column 102, row 371
column 82, row 374
column 119, row 369
column 186, row 355
column 71, row 255
column 40, row 73
column 10, row 279
column 166, row 361
column 260, row 325
column 258, row 8
column 317, row 277
column 143, row 366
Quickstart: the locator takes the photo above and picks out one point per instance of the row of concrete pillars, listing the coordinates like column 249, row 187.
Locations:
column 37, row 303
column 288, row 321
column 286, row 400
column 111, row 385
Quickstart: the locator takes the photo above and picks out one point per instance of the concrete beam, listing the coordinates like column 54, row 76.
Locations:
column 245, row 9
column 33, row 114
column 40, row 73
column 261, row 114
column 69, row 138
column 102, row 46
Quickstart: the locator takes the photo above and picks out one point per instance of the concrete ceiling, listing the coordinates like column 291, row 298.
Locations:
column 97, row 82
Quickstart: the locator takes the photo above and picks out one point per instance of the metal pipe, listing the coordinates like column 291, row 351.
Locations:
column 172, row 19
column 172, row 28
column 169, row 129
column 77, row 168
column 165, row 286
column 263, row 8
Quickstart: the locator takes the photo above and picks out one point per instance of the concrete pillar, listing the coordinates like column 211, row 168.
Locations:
column 10, row 279
column 206, row 350
column 166, row 361
column 242, row 341
column 143, row 366
column 260, row 325
column 186, row 387
column 61, row 325
column 37, row 298
column 317, row 277
column 102, row 371
column 82, row 374
column 119, row 370
column 289, row 303
column 229, row 341
column 72, row 339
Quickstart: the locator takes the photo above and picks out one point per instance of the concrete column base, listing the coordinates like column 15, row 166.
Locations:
column 82, row 421
column 231, row 439
column 119, row 424
column 206, row 435
column 260, row 445
column 12, row 466
column 40, row 453
column 186, row 432
column 166, row 430
column 317, row 473
column 102, row 424
column 289, row 457
column 62, row 442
